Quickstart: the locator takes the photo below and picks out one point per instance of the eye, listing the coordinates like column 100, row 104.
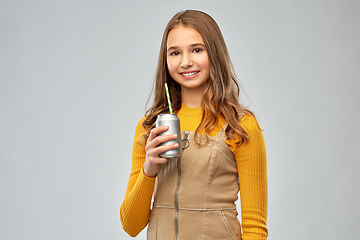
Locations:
column 174, row 53
column 197, row 50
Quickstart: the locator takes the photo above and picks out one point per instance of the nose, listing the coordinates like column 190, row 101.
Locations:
column 186, row 61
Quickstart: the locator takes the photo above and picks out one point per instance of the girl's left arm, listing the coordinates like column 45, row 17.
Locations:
column 252, row 170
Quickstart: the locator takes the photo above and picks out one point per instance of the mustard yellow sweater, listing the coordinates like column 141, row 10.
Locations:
column 251, row 163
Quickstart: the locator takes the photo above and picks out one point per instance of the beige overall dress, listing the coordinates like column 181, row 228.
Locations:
column 195, row 199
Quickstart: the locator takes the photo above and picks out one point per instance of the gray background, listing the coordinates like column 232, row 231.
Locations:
column 75, row 76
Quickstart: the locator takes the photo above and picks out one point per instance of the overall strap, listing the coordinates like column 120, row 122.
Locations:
column 221, row 134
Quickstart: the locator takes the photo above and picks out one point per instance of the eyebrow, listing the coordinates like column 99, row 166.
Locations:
column 192, row 45
column 197, row 44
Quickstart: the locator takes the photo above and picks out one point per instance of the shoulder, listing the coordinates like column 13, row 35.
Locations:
column 140, row 122
column 139, row 133
column 139, row 126
column 252, row 127
column 249, row 123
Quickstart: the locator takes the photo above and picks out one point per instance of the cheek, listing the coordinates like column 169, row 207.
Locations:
column 205, row 64
column 171, row 65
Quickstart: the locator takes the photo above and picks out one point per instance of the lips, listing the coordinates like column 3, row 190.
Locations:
column 189, row 74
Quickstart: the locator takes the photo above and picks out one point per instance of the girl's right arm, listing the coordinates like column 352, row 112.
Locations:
column 135, row 209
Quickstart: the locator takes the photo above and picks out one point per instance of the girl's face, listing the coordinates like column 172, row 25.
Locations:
column 187, row 58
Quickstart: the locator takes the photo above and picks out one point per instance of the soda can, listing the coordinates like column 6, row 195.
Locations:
column 173, row 122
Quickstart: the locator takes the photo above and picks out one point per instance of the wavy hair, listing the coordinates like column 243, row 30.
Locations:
column 222, row 89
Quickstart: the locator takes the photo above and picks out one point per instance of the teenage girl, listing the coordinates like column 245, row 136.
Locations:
column 194, row 194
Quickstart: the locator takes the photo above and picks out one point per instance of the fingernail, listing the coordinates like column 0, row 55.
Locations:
column 176, row 145
column 174, row 135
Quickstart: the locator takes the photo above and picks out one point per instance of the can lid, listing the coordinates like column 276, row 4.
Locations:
column 166, row 116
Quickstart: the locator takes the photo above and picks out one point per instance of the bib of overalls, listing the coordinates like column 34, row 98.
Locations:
column 195, row 199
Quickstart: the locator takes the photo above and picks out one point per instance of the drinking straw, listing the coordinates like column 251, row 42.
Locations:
column 168, row 98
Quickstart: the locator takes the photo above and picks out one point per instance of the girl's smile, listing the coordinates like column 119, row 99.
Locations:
column 190, row 74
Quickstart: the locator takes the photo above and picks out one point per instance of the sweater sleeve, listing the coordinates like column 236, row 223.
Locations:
column 252, row 170
column 135, row 209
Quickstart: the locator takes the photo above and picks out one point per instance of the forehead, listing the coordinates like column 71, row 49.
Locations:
column 183, row 36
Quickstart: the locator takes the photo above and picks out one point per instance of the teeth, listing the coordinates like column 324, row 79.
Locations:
column 189, row 74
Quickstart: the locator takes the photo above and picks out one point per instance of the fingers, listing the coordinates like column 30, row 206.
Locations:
column 160, row 149
column 153, row 149
column 155, row 140
column 156, row 131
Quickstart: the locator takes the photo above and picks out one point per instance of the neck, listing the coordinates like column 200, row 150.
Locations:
column 192, row 97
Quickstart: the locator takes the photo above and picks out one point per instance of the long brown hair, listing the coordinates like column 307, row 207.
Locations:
column 222, row 91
